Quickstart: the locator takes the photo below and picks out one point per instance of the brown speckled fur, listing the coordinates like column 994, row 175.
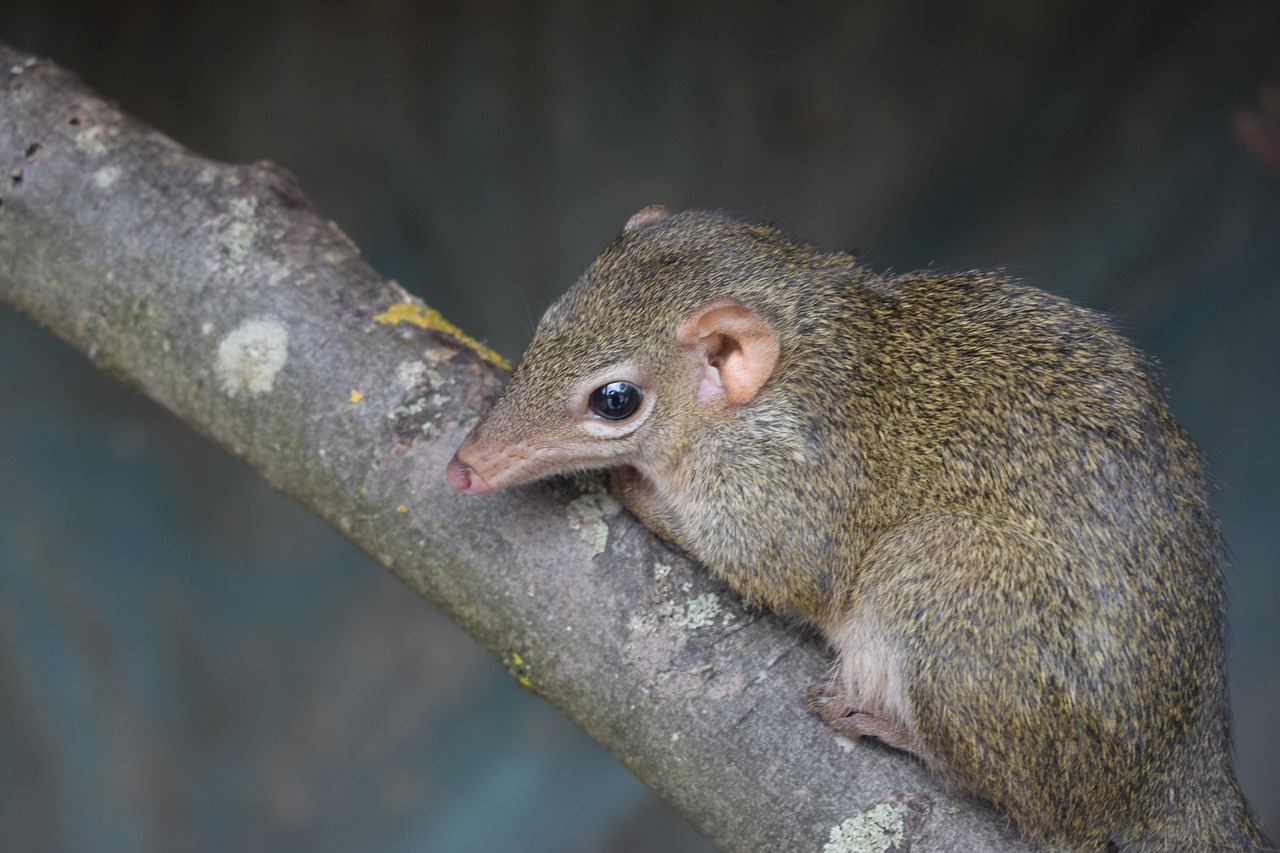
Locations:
column 974, row 488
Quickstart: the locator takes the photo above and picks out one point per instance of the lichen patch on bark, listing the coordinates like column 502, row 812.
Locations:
column 251, row 355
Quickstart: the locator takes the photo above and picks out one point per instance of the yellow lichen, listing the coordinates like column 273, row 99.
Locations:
column 356, row 396
column 519, row 669
column 401, row 508
column 429, row 318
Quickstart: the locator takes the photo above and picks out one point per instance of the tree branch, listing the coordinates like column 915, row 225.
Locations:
column 221, row 292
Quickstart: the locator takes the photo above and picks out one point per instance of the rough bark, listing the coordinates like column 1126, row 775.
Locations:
column 221, row 292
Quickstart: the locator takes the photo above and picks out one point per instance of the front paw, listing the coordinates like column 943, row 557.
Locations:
column 833, row 707
column 637, row 494
column 624, row 484
column 827, row 701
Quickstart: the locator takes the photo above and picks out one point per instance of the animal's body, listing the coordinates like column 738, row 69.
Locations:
column 973, row 488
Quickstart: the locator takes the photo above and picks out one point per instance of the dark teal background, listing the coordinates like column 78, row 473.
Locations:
column 188, row 661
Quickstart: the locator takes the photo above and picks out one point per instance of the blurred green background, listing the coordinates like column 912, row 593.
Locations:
column 189, row 662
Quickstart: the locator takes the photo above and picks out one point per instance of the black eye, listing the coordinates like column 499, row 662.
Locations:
column 616, row 401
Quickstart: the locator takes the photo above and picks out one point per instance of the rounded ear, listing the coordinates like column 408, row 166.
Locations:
column 734, row 350
column 650, row 215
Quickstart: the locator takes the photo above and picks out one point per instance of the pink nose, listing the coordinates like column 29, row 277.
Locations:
column 463, row 478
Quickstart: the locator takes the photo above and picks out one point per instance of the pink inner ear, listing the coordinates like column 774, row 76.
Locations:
column 709, row 382
column 735, row 350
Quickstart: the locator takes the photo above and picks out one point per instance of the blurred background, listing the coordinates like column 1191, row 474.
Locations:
column 190, row 662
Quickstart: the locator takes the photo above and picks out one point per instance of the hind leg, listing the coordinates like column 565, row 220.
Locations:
column 866, row 694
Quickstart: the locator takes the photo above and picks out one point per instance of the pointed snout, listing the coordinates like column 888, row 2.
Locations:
column 463, row 478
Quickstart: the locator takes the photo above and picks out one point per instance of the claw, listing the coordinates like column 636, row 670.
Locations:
column 827, row 702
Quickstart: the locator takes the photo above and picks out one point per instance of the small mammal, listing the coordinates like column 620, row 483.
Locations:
column 973, row 488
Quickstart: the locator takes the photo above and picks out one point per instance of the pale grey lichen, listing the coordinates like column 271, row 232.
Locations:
column 587, row 517
column 408, row 410
column 876, row 830
column 106, row 176
column 90, row 140
column 251, row 355
column 410, row 374
column 240, row 232
column 701, row 612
